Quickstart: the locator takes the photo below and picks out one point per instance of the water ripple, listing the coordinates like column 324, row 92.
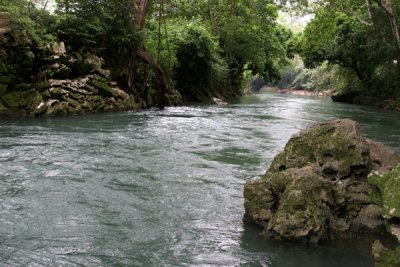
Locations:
column 158, row 188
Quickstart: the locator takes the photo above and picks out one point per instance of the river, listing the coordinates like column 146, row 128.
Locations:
column 159, row 188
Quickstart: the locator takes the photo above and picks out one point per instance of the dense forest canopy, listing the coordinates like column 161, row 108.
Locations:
column 200, row 47
column 206, row 48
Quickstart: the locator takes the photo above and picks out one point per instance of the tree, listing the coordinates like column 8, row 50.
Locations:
column 246, row 31
column 113, row 29
column 367, row 12
column 359, row 35
column 342, row 40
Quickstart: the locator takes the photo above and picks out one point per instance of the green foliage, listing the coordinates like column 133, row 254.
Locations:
column 207, row 48
column 247, row 33
column 357, row 39
column 28, row 21
column 249, row 39
column 197, row 57
column 102, row 27
column 389, row 185
column 193, row 57
column 388, row 258
column 322, row 77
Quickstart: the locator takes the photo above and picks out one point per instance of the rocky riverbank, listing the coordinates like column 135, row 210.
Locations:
column 302, row 92
column 318, row 187
column 295, row 91
column 39, row 79
column 86, row 94
column 361, row 98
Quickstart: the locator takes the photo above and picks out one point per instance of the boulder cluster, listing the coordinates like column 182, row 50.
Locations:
column 317, row 188
column 45, row 79
column 89, row 93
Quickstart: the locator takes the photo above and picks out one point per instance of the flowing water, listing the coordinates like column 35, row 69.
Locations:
column 159, row 188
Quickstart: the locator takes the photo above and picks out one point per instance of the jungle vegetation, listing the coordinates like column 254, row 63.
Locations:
column 205, row 48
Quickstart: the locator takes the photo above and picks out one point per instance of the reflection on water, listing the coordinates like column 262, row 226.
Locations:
column 159, row 188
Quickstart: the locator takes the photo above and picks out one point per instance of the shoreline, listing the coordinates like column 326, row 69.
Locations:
column 303, row 92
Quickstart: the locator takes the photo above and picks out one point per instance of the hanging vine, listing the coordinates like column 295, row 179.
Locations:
column 163, row 22
column 163, row 84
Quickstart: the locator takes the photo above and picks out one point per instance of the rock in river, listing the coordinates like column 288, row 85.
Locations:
column 317, row 188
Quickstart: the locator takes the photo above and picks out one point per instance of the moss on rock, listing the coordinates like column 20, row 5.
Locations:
column 317, row 187
column 337, row 150
column 23, row 103
column 385, row 257
column 389, row 186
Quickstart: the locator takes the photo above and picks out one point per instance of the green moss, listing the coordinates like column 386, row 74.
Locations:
column 389, row 187
column 258, row 203
column 56, row 92
column 385, row 257
column 75, row 104
column 61, row 109
column 22, row 100
column 376, row 197
column 90, row 89
column 318, row 186
column 321, row 144
column 103, row 88
column 129, row 103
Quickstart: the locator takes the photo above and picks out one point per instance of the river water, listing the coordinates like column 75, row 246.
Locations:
column 159, row 188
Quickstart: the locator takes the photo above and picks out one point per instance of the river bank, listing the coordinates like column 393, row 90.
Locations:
column 368, row 100
column 296, row 91
column 356, row 98
column 303, row 92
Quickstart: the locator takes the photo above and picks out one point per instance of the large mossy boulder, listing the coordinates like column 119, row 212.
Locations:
column 317, row 188
column 21, row 103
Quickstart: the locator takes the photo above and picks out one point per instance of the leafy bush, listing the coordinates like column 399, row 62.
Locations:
column 28, row 21
column 102, row 27
column 193, row 56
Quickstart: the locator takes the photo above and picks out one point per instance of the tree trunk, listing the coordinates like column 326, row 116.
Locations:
column 387, row 6
column 368, row 4
column 140, row 16
column 142, row 53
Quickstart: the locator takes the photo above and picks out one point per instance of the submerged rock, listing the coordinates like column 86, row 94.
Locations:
column 317, row 187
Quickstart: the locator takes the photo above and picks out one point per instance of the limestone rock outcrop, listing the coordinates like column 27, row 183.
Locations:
column 90, row 93
column 46, row 79
column 317, row 188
